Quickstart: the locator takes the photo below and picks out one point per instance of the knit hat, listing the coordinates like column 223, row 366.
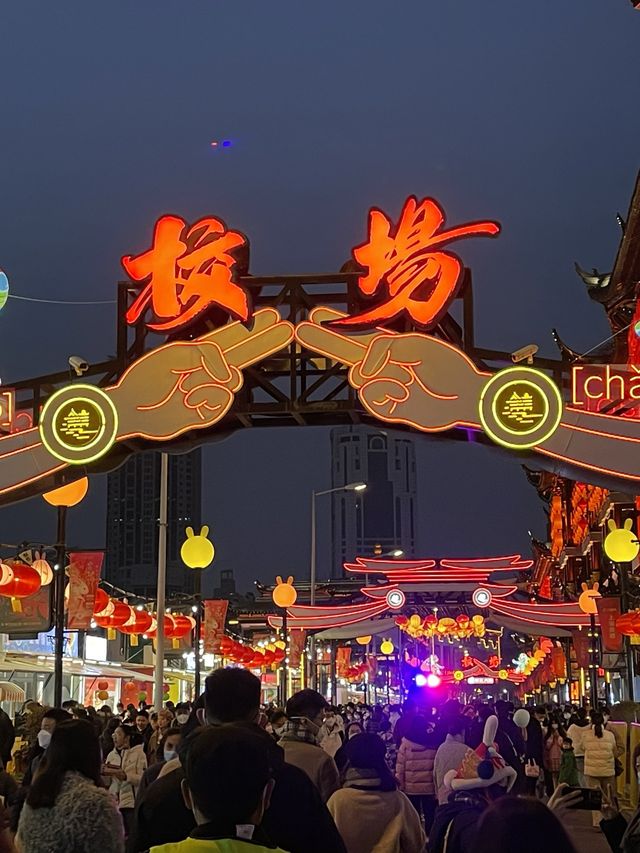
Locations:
column 482, row 767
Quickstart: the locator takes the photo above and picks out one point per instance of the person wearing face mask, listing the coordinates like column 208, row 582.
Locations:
column 305, row 711
column 182, row 713
column 553, row 740
column 167, row 751
column 124, row 766
column 276, row 724
column 331, row 734
column 143, row 726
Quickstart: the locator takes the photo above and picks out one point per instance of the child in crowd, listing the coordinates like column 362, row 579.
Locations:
column 568, row 765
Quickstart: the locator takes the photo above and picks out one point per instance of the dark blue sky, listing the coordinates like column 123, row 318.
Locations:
column 523, row 112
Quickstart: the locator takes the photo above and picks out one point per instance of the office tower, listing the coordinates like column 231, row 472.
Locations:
column 385, row 514
column 133, row 508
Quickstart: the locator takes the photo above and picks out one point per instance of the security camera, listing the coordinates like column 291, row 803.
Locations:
column 525, row 354
column 78, row 365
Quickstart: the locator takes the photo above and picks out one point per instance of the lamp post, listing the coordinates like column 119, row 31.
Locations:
column 62, row 498
column 284, row 595
column 350, row 487
column 197, row 552
column 587, row 603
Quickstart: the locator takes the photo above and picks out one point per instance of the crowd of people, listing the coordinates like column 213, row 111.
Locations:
column 228, row 775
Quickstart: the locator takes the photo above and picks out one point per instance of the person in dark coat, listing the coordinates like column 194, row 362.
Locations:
column 297, row 820
column 7, row 737
column 534, row 748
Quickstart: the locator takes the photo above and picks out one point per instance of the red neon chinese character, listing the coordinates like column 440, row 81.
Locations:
column 417, row 279
column 186, row 271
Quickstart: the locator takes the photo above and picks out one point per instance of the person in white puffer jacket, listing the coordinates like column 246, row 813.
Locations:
column 125, row 766
column 600, row 761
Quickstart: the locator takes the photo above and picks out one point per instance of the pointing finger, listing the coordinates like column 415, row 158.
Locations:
column 260, row 344
column 329, row 343
column 235, row 333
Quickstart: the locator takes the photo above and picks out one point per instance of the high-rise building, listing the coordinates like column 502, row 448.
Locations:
column 133, row 510
column 385, row 514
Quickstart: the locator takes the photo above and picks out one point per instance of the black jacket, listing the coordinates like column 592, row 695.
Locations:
column 297, row 820
column 457, row 823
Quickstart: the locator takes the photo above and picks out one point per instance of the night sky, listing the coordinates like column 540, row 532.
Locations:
column 522, row 112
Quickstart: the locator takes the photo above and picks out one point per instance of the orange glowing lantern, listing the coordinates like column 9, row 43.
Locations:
column 68, row 495
column 102, row 604
column 284, row 594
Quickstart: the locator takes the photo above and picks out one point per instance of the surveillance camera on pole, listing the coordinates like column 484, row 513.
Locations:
column 525, row 354
column 78, row 365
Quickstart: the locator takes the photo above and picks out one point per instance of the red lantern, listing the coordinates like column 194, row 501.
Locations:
column 120, row 614
column 25, row 582
column 140, row 622
column 129, row 685
column 183, row 625
column 103, row 685
column 100, row 603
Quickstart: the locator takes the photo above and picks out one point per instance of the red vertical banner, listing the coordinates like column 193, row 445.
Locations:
column 343, row 658
column 558, row 662
column 84, row 576
column 581, row 645
column 372, row 663
column 215, row 614
column 608, row 613
column 297, row 637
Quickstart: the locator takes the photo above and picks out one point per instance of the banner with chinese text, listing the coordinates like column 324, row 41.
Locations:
column 84, row 575
column 581, row 645
column 215, row 614
column 608, row 611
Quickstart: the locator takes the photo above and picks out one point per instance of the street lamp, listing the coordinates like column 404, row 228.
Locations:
column 62, row 498
column 284, row 595
column 350, row 487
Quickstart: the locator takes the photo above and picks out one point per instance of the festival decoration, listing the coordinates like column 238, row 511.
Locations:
column 4, row 289
column 284, row 593
column 621, row 544
column 400, row 260
column 140, row 622
column 24, row 582
column 187, row 271
column 43, row 568
column 197, row 552
column 69, row 494
column 364, row 640
column 461, row 628
column 587, row 599
column 521, row 718
column 629, row 623
column 120, row 614
column 387, row 647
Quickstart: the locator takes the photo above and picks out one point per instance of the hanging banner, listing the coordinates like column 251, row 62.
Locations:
column 558, row 662
column 297, row 637
column 343, row 657
column 372, row 663
column 84, row 576
column 215, row 614
column 608, row 611
column 581, row 645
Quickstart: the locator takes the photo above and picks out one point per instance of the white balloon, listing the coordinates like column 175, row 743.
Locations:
column 521, row 718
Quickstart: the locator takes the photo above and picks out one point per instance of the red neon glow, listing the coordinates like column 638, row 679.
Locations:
column 403, row 260
column 185, row 272
column 433, row 680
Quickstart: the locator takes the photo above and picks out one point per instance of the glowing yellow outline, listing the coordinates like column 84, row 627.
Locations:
column 497, row 377
column 65, row 391
column 72, row 402
column 494, row 408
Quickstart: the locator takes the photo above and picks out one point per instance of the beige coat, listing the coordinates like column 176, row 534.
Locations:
column 599, row 754
column 376, row 821
column 316, row 763
column 133, row 762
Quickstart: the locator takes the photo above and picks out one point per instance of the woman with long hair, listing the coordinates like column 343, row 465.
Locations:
column 371, row 814
column 520, row 825
column 125, row 766
column 67, row 808
column 600, row 761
